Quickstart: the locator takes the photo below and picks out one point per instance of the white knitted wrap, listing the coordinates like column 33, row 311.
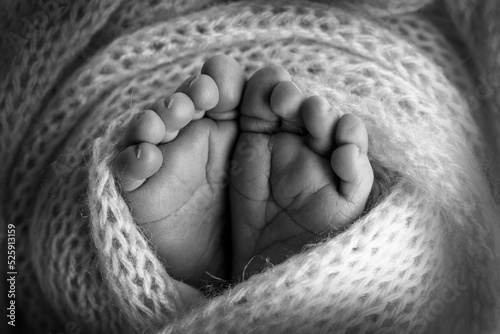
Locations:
column 423, row 259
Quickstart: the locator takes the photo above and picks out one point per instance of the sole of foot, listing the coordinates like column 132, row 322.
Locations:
column 305, row 172
column 173, row 171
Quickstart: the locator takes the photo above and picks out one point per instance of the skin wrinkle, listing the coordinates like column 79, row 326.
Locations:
column 172, row 194
column 286, row 229
column 273, row 219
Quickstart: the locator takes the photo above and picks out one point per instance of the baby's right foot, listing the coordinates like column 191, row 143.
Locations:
column 305, row 172
column 173, row 172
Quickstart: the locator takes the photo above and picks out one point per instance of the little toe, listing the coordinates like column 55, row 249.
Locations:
column 176, row 112
column 351, row 130
column 202, row 90
column 146, row 126
column 355, row 173
column 256, row 112
column 230, row 79
column 137, row 163
column 320, row 121
column 350, row 161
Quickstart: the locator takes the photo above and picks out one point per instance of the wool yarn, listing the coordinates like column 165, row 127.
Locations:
column 423, row 259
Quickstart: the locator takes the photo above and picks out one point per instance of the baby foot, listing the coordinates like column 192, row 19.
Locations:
column 305, row 172
column 173, row 172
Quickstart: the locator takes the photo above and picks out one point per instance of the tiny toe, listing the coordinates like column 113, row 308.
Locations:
column 230, row 79
column 286, row 99
column 351, row 130
column 320, row 120
column 356, row 175
column 176, row 112
column 202, row 90
column 137, row 163
column 256, row 112
column 350, row 160
column 147, row 126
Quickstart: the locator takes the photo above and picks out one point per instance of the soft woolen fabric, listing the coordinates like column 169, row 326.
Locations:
column 424, row 76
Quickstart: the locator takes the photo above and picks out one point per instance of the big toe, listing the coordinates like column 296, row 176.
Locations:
column 230, row 79
column 256, row 112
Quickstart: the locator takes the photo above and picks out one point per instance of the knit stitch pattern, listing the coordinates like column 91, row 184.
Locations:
column 422, row 259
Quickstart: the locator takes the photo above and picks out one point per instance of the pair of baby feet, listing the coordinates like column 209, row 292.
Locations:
column 227, row 175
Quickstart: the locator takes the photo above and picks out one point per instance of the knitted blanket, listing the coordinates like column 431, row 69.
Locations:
column 422, row 75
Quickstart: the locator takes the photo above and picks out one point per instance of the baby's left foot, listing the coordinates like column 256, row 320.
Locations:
column 305, row 173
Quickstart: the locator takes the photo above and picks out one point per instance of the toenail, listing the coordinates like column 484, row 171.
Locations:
column 139, row 115
column 192, row 81
column 358, row 151
column 138, row 152
column 293, row 83
column 168, row 102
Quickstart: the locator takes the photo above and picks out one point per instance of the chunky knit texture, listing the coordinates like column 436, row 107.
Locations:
column 423, row 259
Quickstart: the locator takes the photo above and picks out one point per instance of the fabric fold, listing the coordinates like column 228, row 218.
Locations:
column 423, row 259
